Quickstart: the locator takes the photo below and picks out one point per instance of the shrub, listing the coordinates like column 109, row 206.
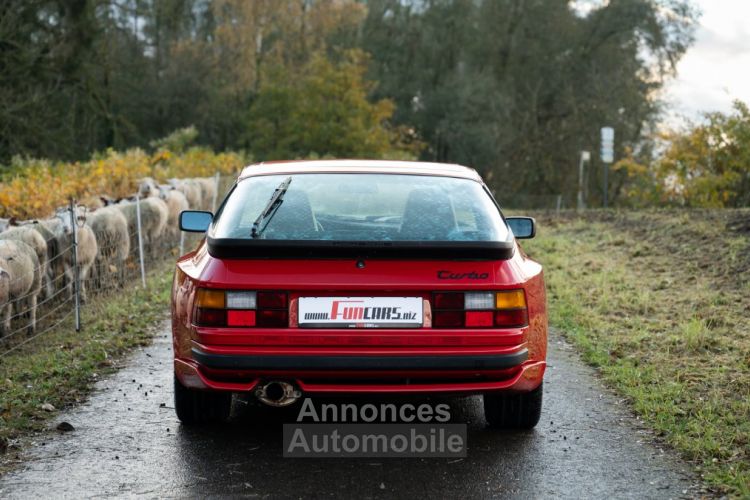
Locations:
column 33, row 188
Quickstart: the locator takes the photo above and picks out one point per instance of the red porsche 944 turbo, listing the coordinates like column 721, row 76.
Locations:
column 352, row 276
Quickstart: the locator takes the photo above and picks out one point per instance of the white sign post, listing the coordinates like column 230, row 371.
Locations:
column 607, row 156
column 585, row 158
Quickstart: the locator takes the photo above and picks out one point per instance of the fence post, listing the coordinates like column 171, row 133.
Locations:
column 217, row 178
column 140, row 238
column 606, row 185
column 559, row 203
column 76, row 273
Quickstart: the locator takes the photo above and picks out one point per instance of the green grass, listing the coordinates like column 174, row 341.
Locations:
column 659, row 302
column 61, row 366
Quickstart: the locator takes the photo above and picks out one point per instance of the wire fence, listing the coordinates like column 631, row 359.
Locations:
column 546, row 202
column 51, row 269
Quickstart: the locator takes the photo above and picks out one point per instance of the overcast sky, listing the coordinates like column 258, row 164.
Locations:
column 716, row 69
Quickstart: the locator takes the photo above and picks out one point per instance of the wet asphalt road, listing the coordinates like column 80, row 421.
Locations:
column 127, row 442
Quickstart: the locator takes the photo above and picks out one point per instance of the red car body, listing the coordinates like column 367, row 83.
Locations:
column 459, row 360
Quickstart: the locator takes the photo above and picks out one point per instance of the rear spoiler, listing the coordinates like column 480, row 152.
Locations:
column 245, row 248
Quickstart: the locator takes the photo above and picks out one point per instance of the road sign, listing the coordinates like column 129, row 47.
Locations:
column 608, row 156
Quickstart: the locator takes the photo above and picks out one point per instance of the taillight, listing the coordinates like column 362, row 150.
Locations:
column 210, row 317
column 511, row 317
column 241, row 300
column 240, row 318
column 449, row 300
column 273, row 318
column 511, row 309
column 272, row 300
column 504, row 309
column 510, row 299
column 479, row 319
column 479, row 301
column 241, row 308
column 446, row 319
column 213, row 299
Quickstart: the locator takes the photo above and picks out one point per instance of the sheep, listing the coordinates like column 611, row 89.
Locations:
column 148, row 187
column 110, row 228
column 87, row 249
column 36, row 241
column 54, row 257
column 20, row 263
column 56, row 249
column 54, row 261
column 176, row 202
column 192, row 191
column 208, row 191
column 106, row 200
column 92, row 202
column 4, row 286
column 53, row 250
column 154, row 214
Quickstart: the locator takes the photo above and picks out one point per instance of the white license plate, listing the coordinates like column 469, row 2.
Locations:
column 360, row 312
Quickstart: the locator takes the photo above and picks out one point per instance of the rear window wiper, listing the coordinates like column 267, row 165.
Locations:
column 277, row 198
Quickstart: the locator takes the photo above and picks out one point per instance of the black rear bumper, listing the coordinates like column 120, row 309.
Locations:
column 356, row 363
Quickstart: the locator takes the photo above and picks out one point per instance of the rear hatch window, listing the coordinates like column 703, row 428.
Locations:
column 361, row 207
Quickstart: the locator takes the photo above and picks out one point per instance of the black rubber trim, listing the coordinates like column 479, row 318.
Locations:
column 246, row 248
column 471, row 362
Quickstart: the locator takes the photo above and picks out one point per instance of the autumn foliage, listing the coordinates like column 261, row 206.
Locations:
column 34, row 188
column 706, row 165
column 323, row 109
column 709, row 165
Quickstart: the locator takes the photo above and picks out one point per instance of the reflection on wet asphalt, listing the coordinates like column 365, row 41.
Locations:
column 128, row 442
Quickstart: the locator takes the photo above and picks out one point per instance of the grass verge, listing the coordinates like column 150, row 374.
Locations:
column 60, row 367
column 660, row 303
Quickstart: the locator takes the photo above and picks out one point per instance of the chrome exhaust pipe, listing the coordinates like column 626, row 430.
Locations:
column 277, row 393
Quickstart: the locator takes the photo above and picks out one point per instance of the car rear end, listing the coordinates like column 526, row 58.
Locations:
column 409, row 298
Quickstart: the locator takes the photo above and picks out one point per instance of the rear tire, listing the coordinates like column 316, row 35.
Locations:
column 513, row 411
column 195, row 407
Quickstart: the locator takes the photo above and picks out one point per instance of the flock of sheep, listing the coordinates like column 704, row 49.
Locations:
column 37, row 258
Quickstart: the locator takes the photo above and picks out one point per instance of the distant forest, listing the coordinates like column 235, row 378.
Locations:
column 514, row 88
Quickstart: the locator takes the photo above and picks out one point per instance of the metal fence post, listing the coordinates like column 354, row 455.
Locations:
column 605, row 188
column 216, row 191
column 76, row 273
column 140, row 238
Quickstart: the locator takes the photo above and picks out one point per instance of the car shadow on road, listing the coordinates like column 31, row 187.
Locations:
column 246, row 455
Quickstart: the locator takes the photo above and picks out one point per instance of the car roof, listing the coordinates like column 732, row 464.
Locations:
column 360, row 166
